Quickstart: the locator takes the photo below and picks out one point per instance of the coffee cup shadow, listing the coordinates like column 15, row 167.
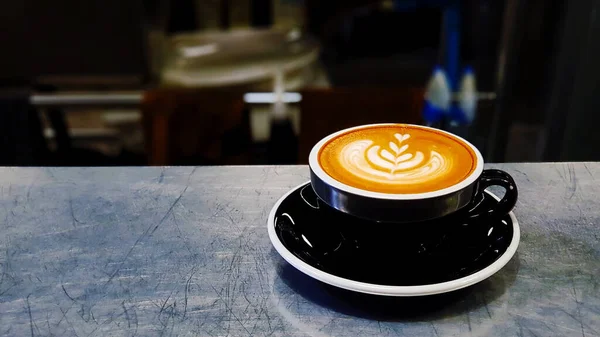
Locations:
column 398, row 309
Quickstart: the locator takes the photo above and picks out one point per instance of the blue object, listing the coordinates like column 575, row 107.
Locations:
column 450, row 45
column 457, row 116
column 451, row 24
column 437, row 97
column 463, row 111
column 432, row 114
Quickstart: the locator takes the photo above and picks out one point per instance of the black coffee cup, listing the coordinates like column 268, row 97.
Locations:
column 410, row 208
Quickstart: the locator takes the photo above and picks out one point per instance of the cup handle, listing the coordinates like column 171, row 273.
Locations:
column 500, row 178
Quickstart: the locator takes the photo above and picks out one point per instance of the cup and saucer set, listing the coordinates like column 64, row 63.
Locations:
column 397, row 210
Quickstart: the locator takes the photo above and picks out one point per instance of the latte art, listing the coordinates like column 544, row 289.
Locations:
column 397, row 159
column 393, row 165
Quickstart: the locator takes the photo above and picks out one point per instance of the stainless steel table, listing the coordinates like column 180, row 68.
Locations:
column 184, row 252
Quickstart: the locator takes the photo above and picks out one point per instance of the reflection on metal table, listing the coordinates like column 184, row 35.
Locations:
column 185, row 251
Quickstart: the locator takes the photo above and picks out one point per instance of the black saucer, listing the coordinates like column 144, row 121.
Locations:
column 390, row 254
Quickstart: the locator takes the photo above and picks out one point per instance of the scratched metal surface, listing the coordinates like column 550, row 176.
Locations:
column 184, row 252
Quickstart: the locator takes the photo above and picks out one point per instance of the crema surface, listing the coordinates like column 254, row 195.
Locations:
column 398, row 159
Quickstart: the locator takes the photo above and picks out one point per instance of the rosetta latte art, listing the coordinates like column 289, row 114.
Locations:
column 396, row 159
column 394, row 164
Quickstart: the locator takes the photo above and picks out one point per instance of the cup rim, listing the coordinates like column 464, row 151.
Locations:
column 313, row 162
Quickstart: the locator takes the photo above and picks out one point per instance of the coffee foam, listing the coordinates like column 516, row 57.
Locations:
column 397, row 159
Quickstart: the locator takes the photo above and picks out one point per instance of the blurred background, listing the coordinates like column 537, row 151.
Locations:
column 220, row 82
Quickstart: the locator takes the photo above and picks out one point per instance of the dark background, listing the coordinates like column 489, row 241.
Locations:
column 539, row 57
